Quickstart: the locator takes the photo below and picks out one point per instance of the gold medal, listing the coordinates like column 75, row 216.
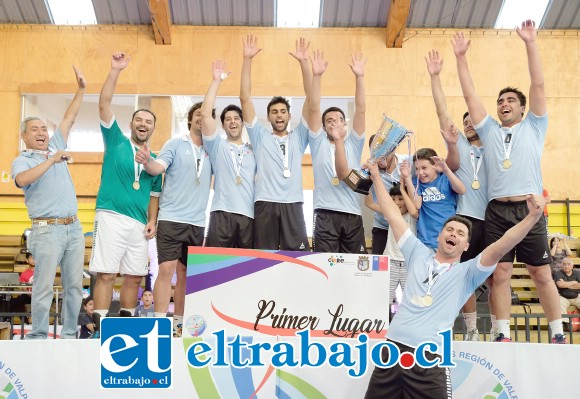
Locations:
column 136, row 185
column 427, row 300
column 335, row 181
column 475, row 185
column 238, row 180
column 507, row 164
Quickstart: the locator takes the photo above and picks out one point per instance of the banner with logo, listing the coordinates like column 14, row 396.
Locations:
column 68, row 368
column 266, row 297
column 241, row 339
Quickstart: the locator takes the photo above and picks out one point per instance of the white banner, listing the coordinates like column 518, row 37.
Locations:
column 242, row 312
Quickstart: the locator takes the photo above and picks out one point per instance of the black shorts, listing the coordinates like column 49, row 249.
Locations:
column 500, row 216
column 173, row 238
column 477, row 241
column 230, row 230
column 414, row 383
column 338, row 232
column 280, row 226
column 379, row 242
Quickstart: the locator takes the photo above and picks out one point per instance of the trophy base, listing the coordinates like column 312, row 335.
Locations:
column 359, row 181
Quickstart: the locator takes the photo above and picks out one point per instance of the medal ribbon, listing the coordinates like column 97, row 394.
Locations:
column 508, row 142
column 198, row 156
column 138, row 166
column 433, row 279
column 475, row 168
column 241, row 153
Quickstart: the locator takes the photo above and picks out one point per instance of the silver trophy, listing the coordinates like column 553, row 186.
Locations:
column 385, row 142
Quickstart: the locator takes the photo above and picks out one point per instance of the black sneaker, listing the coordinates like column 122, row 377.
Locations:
column 125, row 313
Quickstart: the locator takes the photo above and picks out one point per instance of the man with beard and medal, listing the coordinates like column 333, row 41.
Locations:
column 231, row 222
column 513, row 155
column 465, row 156
column 182, row 206
column 338, row 225
column 278, row 214
column 438, row 284
column 127, row 202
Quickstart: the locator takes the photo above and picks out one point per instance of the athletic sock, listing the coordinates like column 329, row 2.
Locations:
column 503, row 327
column 470, row 320
column 556, row 327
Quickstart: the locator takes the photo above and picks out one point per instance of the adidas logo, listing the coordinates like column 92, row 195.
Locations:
column 432, row 194
column 302, row 246
column 545, row 255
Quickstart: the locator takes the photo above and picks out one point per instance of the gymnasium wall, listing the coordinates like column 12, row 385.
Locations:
column 38, row 58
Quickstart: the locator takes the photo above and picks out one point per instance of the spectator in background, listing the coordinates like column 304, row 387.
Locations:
column 559, row 250
column 145, row 310
column 27, row 276
column 568, row 282
column 546, row 196
column 86, row 320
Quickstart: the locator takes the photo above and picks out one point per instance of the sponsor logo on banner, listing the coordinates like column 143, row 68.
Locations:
column 335, row 260
column 136, row 352
column 352, row 355
column 11, row 386
column 478, row 376
column 363, row 263
column 381, row 263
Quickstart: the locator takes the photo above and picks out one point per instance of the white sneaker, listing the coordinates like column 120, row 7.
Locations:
column 472, row 335
column 493, row 334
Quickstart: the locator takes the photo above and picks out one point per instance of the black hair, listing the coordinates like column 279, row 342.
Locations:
column 395, row 190
column 87, row 300
column 144, row 110
column 509, row 89
column 332, row 109
column 231, row 107
column 462, row 220
column 278, row 100
column 194, row 108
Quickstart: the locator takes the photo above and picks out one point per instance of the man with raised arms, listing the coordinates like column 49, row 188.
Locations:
column 231, row 222
column 278, row 214
column 465, row 158
column 182, row 206
column 127, row 203
column 41, row 171
column 513, row 153
column 437, row 286
column 337, row 223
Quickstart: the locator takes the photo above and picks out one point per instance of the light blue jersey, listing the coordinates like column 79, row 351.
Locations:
column 53, row 193
column 416, row 323
column 389, row 179
column 182, row 199
column 227, row 160
column 473, row 202
column 525, row 173
column 271, row 185
column 339, row 198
